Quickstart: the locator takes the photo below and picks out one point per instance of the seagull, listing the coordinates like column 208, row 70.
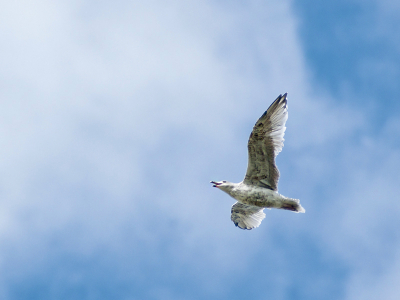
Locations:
column 259, row 189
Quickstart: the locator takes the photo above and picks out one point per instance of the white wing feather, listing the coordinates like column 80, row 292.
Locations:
column 247, row 216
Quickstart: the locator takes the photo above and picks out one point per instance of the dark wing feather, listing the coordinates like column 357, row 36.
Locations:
column 265, row 142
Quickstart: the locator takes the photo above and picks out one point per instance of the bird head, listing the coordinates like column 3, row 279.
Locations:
column 223, row 185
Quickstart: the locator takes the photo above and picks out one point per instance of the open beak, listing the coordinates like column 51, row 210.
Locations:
column 215, row 184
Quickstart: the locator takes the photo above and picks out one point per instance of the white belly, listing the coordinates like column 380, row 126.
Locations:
column 257, row 196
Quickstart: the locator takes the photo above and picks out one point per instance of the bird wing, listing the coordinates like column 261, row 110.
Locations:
column 247, row 216
column 265, row 142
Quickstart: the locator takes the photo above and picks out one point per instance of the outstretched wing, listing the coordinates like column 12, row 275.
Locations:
column 247, row 216
column 265, row 142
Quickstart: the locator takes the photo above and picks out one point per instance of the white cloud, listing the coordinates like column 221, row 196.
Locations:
column 92, row 91
column 116, row 115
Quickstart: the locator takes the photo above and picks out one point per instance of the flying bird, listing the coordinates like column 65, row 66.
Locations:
column 259, row 189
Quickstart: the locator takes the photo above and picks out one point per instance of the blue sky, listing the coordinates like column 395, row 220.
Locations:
column 116, row 115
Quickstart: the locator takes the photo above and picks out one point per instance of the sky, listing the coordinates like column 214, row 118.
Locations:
column 116, row 115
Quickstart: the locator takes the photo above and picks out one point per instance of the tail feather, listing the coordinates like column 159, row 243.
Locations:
column 292, row 205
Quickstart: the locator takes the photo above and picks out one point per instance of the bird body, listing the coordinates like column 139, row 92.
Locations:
column 259, row 189
column 261, row 197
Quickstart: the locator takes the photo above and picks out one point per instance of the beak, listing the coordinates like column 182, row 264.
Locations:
column 215, row 184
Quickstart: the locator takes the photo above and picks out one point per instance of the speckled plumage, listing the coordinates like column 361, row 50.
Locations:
column 259, row 189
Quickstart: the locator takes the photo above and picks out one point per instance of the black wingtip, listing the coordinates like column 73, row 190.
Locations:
column 279, row 99
column 243, row 228
column 282, row 98
column 276, row 102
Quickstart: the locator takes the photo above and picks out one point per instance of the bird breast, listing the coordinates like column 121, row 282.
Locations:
column 257, row 196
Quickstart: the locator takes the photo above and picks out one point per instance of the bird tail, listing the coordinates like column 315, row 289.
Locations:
column 293, row 205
